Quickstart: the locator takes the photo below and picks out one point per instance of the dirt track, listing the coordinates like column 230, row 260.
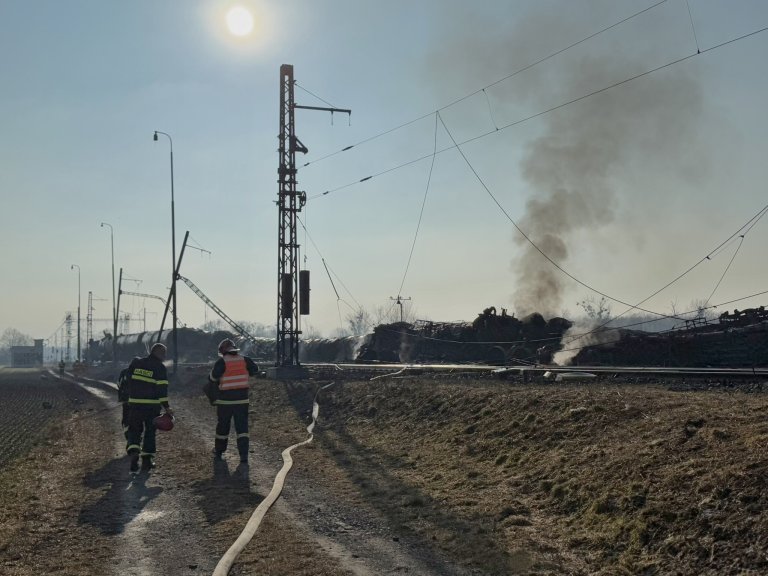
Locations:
column 438, row 476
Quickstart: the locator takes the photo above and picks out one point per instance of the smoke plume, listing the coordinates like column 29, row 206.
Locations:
column 592, row 163
column 581, row 334
column 584, row 156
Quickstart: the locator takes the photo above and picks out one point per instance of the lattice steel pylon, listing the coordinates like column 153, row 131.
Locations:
column 68, row 323
column 290, row 202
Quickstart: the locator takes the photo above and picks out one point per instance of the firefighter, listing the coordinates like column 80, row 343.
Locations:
column 147, row 392
column 229, row 376
column 123, row 393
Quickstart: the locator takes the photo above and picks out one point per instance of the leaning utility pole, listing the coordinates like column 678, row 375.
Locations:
column 117, row 315
column 172, row 300
column 290, row 202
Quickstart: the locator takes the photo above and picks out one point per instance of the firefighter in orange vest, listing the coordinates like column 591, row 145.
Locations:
column 230, row 377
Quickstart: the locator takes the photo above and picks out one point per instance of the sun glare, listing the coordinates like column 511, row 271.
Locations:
column 239, row 21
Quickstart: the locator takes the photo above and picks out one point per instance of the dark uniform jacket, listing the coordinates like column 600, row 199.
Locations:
column 147, row 382
column 234, row 396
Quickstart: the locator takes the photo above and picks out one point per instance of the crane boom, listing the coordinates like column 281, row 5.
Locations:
column 235, row 326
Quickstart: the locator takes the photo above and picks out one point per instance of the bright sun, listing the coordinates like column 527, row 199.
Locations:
column 239, row 21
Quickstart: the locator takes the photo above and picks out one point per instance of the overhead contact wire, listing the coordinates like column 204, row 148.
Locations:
column 741, row 242
column 576, row 336
column 421, row 213
column 547, row 111
column 500, row 80
column 693, row 28
column 520, row 230
column 327, row 268
column 749, row 225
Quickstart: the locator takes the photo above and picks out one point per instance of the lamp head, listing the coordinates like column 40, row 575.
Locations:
column 155, row 136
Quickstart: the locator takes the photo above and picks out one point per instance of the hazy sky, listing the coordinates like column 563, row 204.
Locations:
column 645, row 180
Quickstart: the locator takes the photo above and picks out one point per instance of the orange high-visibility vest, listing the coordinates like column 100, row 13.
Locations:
column 235, row 373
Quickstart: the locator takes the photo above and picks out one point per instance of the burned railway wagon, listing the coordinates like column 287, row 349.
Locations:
column 732, row 347
column 194, row 345
column 492, row 338
column 198, row 346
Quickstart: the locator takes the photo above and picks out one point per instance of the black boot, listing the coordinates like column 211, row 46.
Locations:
column 134, row 463
column 147, row 463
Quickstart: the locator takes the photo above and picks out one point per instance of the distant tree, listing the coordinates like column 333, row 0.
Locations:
column 214, row 325
column 12, row 337
column 359, row 322
column 257, row 329
column 596, row 310
column 309, row 332
column 700, row 308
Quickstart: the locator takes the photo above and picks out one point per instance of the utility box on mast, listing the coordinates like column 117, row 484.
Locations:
column 290, row 201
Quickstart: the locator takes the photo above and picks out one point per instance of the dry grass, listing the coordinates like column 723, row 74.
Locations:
column 564, row 479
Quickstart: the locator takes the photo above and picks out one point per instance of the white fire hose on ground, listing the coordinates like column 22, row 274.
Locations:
column 224, row 565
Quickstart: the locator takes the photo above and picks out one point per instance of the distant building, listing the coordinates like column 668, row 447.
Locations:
column 27, row 356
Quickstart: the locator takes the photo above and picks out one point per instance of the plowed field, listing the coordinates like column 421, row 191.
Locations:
column 30, row 401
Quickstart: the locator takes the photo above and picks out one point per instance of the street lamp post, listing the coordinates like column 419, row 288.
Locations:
column 114, row 311
column 78, row 308
column 173, row 255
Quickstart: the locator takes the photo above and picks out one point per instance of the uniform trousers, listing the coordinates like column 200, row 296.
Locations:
column 141, row 431
column 225, row 413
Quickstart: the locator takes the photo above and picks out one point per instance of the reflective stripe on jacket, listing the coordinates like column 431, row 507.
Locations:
column 235, row 375
column 148, row 381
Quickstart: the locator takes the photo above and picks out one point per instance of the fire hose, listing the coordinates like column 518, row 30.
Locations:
column 224, row 565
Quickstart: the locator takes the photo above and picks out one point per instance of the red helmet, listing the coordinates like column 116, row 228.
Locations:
column 164, row 422
column 226, row 346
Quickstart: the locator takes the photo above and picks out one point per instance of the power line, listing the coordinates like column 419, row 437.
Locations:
column 457, row 145
column 490, row 110
column 599, row 344
column 520, row 230
column 544, row 112
column 693, row 28
column 421, row 213
column 755, row 218
column 328, row 267
column 500, row 80
column 575, row 336
column 750, row 223
column 746, row 228
column 741, row 242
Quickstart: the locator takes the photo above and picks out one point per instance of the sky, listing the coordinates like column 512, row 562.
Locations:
column 624, row 190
